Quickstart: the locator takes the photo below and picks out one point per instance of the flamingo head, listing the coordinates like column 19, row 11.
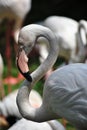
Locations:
column 25, row 45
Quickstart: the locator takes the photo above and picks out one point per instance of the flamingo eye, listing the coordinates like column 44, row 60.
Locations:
column 29, row 45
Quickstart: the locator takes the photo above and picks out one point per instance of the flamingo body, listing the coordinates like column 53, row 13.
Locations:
column 15, row 10
column 67, row 29
column 68, row 84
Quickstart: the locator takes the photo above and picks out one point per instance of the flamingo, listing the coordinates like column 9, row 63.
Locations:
column 15, row 11
column 65, row 90
column 71, row 46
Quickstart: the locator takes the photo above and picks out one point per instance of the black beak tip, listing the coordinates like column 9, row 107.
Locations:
column 26, row 74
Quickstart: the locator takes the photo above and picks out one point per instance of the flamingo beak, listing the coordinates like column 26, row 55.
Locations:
column 22, row 64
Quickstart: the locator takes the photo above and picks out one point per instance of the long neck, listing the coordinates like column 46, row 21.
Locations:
column 82, row 26
column 27, row 111
column 80, row 42
column 51, row 58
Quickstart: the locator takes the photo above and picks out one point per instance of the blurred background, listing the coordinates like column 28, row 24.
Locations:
column 70, row 8
column 40, row 9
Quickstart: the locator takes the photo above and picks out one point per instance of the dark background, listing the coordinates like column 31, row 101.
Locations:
column 76, row 9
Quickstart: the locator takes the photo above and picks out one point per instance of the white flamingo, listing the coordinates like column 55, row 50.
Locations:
column 71, row 46
column 65, row 91
column 15, row 11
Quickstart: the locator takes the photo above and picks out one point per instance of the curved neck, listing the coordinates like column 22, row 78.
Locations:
column 82, row 26
column 80, row 43
column 27, row 111
column 51, row 58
